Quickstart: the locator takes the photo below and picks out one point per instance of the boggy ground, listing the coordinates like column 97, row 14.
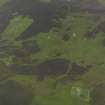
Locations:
column 54, row 67
column 98, row 29
column 98, row 95
column 12, row 93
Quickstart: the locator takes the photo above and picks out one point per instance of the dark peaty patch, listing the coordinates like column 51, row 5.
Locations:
column 53, row 67
column 12, row 93
column 97, row 95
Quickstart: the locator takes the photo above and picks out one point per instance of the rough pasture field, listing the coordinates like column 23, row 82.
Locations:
column 52, row 52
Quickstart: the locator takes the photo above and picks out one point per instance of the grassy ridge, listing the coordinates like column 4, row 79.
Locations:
column 16, row 26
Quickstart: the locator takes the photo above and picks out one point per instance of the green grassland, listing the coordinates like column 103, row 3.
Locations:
column 102, row 2
column 16, row 26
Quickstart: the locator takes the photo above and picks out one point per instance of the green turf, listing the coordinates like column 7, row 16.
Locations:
column 3, row 2
column 16, row 26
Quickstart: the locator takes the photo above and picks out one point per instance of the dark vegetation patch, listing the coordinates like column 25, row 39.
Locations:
column 22, row 69
column 53, row 67
column 22, row 62
column 27, row 48
column 97, row 95
column 30, row 46
column 5, row 72
column 93, row 6
column 12, row 93
column 66, row 37
column 77, row 70
column 99, row 28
